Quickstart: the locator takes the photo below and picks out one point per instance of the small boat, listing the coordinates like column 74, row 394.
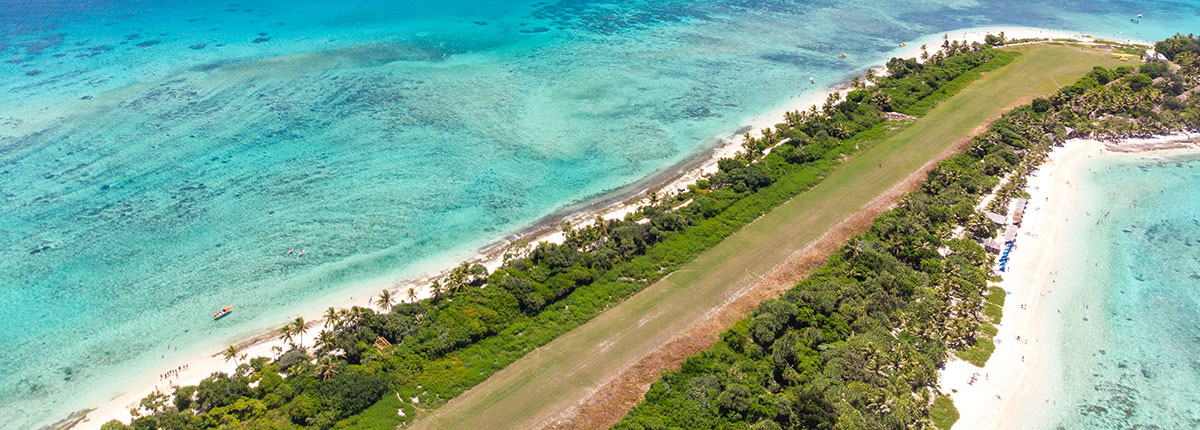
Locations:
column 223, row 312
column 301, row 253
column 903, row 44
column 290, row 250
column 842, row 55
column 812, row 80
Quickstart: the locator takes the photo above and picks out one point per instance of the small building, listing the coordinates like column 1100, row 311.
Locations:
column 1152, row 56
column 1010, row 234
column 1000, row 220
column 1018, row 210
column 992, row 245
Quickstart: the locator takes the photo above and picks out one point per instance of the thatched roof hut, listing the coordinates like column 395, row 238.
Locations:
column 993, row 245
column 1018, row 212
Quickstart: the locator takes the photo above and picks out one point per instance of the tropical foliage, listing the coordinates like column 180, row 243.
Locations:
column 364, row 365
column 857, row 344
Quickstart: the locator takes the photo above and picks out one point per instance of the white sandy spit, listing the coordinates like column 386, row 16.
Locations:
column 1009, row 390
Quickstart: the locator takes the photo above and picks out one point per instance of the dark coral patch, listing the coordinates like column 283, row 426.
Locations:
column 261, row 39
column 38, row 46
column 33, row 72
column 148, row 43
column 96, row 50
column 198, row 46
column 480, row 22
column 536, row 30
column 16, row 60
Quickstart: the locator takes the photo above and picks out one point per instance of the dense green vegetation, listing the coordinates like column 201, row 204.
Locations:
column 981, row 350
column 1177, row 45
column 857, row 344
column 365, row 365
column 943, row 413
column 477, row 322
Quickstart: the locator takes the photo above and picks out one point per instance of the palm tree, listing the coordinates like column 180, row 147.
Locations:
column 412, row 295
column 324, row 341
column 457, row 281
column 385, row 300
column 331, row 316
column 286, row 332
column 855, row 248
column 300, row 328
column 231, row 353
column 436, row 288
column 345, row 317
column 276, row 350
column 326, row 368
column 979, row 225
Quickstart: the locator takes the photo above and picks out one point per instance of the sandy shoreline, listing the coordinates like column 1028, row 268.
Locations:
column 1008, row 388
column 613, row 205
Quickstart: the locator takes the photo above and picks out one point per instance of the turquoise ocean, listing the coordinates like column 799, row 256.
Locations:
column 1126, row 345
column 159, row 158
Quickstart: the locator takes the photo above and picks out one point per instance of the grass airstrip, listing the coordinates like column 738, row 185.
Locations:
column 569, row 369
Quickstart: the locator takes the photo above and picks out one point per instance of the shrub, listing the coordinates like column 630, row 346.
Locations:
column 291, row 358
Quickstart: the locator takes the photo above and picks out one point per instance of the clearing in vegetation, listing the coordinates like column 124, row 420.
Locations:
column 550, row 380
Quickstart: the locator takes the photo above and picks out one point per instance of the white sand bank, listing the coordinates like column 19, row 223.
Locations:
column 1015, row 367
column 1013, row 388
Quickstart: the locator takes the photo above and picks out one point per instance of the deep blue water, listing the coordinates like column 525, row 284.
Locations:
column 157, row 159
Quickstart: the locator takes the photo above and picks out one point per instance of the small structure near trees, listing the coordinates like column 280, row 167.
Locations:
column 996, row 218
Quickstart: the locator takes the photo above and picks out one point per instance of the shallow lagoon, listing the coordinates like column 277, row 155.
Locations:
column 1125, row 344
column 157, row 159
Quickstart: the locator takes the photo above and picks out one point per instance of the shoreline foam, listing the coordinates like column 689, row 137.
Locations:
column 611, row 205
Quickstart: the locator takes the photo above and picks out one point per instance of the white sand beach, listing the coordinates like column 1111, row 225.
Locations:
column 968, row 399
column 1014, row 368
column 1015, row 383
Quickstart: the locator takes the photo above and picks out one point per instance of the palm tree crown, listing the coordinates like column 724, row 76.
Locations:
column 286, row 333
column 231, row 353
column 299, row 327
column 385, row 300
column 331, row 316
